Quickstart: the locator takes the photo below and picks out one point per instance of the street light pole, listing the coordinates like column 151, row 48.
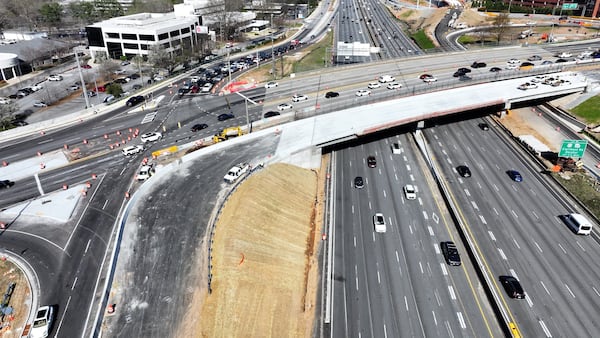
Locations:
column 246, row 99
column 83, row 88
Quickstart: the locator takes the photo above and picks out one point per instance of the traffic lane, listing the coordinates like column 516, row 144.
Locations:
column 149, row 264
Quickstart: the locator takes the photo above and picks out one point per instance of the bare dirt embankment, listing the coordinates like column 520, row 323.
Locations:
column 264, row 259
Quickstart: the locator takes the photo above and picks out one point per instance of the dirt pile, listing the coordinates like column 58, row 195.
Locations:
column 262, row 257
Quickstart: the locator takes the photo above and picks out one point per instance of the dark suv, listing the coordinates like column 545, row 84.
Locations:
column 450, row 253
column 463, row 171
column 371, row 162
column 134, row 101
column 512, row 286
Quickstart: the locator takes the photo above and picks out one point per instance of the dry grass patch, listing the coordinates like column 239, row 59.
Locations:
column 261, row 253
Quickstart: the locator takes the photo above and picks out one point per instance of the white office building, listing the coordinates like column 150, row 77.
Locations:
column 137, row 34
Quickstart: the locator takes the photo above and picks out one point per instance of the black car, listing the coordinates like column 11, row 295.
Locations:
column 371, row 162
column 19, row 123
column 120, row 81
column 134, row 76
column 225, row 116
column 512, row 286
column 515, row 175
column 495, row 69
column 6, row 184
column 359, row 183
column 450, row 253
column 134, row 100
column 463, row 171
column 461, row 72
column 329, row 95
column 199, row 126
column 484, row 126
column 478, row 65
column 183, row 91
column 271, row 114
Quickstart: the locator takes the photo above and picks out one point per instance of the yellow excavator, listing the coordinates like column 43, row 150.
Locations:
column 227, row 133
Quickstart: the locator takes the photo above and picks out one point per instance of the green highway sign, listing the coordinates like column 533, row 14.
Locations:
column 573, row 148
column 569, row 6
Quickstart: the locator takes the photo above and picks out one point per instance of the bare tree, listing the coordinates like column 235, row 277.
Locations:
column 500, row 26
column 24, row 12
column 151, row 6
column 161, row 59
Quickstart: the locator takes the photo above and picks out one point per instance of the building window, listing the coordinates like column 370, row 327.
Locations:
column 113, row 35
column 166, row 45
column 163, row 36
column 185, row 30
column 129, row 36
column 143, row 46
column 174, row 33
column 145, row 37
column 175, row 43
column 130, row 46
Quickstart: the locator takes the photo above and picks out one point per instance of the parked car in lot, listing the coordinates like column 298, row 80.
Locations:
column 86, row 66
column 4, row 100
column 329, row 95
column 271, row 114
column 55, row 77
column 463, row 171
column 134, row 100
column 40, row 104
column 151, row 137
column 73, row 88
column 450, row 253
column 109, row 99
column 285, row 106
column 42, row 324
column 512, row 287
column 225, row 116
column 199, row 126
column 131, row 150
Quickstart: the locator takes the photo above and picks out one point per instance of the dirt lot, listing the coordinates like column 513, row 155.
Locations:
column 264, row 259
column 20, row 301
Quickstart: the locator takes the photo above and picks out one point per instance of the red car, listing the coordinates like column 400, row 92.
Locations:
column 86, row 67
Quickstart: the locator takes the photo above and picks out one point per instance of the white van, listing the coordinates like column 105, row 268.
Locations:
column 386, row 78
column 579, row 224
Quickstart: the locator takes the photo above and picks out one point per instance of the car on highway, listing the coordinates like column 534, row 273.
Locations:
column 54, row 77
column 465, row 77
column 512, row 66
column 526, row 65
column 299, row 97
column 512, row 287
column 394, row 85
column 371, row 162
column 534, row 58
column 199, row 126
column 329, row 95
column 427, row 78
column 463, row 171
column 513, row 61
column 6, row 184
column 495, row 69
column 373, row 85
column 477, row 64
column 134, row 100
column 527, row 85
column 359, row 183
column 271, row 84
column 145, row 173
column 410, row 192
column 363, row 92
column 73, row 88
column 450, row 253
column 131, row 150
column 379, row 222
column 271, row 114
column 564, row 55
column 42, row 324
column 515, row 175
column 284, row 106
column 396, row 148
column 386, row 78
column 150, row 137
column 484, row 126
column 547, row 62
column 461, row 71
column 40, row 104
column 225, row 116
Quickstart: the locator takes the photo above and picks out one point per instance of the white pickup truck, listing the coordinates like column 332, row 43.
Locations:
column 236, row 172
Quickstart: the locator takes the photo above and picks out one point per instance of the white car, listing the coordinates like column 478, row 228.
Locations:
column 512, row 66
column 42, row 322
column 394, row 85
column 396, row 148
column 36, row 87
column 514, row 62
column 206, row 88
column 363, row 92
column 120, row 72
column 379, row 222
column 386, row 78
column 145, row 173
column 373, row 85
column 410, row 192
column 40, row 104
column 4, row 100
column 150, row 137
column 427, row 78
column 55, row 78
column 132, row 150
column 564, row 55
column 298, row 98
column 271, row 84
column 527, row 85
column 285, row 106
column 73, row 88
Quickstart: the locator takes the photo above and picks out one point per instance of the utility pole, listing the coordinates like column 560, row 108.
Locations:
column 272, row 51
column 83, row 88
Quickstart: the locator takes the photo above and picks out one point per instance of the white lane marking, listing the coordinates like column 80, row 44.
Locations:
column 373, row 236
column 87, row 246
column 405, row 158
column 407, row 167
column 421, row 267
column 492, row 236
column 444, row 270
column 406, row 303
column 355, row 241
column 534, row 214
column 434, row 319
column 356, row 276
column 352, row 209
column 437, row 249
column 561, row 247
column 438, row 299
column 46, row 141
column 596, row 291
column 449, row 329
column 397, row 257
column 496, row 211
column 425, row 216
column 430, row 230
column 412, row 177
column 461, row 320
column 528, row 299
column 378, row 277
column 105, row 203
column 384, row 331
column 451, row 291
column 474, row 205
column 514, row 213
column 467, row 192
column 496, row 187
column 571, row 292
column 384, row 194
column 74, row 282
column 545, row 288
column 149, row 117
column 538, row 246
column 516, row 243
column 579, row 244
column 434, row 216
column 370, row 206
column 482, row 219
column 513, row 273
column 545, row 328
column 502, row 254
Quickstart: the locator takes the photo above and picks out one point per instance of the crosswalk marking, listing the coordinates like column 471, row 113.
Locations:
column 149, row 117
